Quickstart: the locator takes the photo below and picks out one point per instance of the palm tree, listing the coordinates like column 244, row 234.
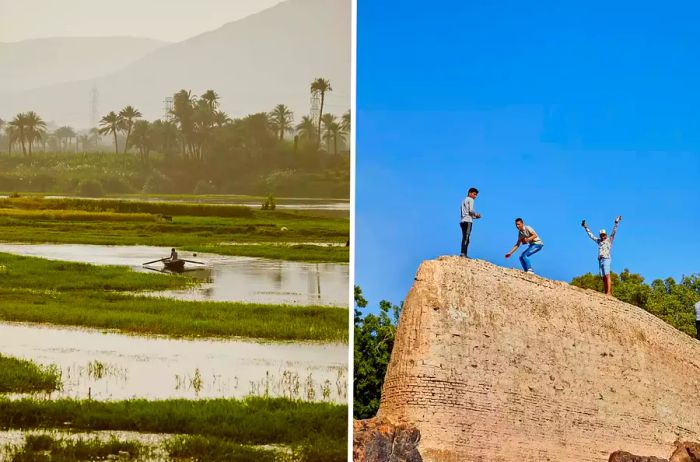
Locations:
column 84, row 141
column 345, row 123
column 12, row 137
column 282, row 119
column 320, row 87
column 64, row 133
column 111, row 123
column 211, row 98
column 328, row 120
column 95, row 137
column 18, row 125
column 183, row 113
column 332, row 132
column 221, row 118
column 35, row 128
column 128, row 115
column 306, row 129
column 142, row 138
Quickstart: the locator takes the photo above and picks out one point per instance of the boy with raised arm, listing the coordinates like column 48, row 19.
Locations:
column 604, row 252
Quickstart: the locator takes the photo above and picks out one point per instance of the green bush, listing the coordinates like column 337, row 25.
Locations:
column 90, row 188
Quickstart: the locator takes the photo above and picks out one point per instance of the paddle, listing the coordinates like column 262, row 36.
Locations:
column 155, row 261
column 197, row 262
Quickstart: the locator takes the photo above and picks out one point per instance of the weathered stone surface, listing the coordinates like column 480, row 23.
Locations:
column 491, row 364
column 375, row 440
column 621, row 456
column 686, row 452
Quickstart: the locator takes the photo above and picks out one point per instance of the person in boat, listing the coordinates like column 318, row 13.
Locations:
column 173, row 255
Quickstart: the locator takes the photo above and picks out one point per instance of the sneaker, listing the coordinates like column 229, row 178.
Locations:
column 530, row 271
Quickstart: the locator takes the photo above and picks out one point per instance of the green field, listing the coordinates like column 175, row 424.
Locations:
column 226, row 230
column 77, row 294
column 19, row 376
column 317, row 431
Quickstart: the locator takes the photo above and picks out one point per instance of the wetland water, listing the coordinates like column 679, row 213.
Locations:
column 113, row 366
column 283, row 204
column 224, row 278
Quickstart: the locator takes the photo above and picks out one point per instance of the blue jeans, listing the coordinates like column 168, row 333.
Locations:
column 531, row 250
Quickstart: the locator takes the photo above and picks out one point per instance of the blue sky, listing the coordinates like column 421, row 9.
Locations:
column 555, row 112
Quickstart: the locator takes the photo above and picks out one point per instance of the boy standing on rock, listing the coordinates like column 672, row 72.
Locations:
column 526, row 235
column 697, row 320
column 604, row 248
column 467, row 217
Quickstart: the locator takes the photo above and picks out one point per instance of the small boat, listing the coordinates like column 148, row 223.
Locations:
column 174, row 265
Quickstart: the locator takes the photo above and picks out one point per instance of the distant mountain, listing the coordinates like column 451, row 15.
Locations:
column 36, row 63
column 254, row 63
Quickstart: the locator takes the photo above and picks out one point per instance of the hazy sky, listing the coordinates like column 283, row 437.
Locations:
column 169, row 20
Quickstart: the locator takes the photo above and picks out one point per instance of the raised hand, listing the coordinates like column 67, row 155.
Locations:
column 618, row 219
column 583, row 223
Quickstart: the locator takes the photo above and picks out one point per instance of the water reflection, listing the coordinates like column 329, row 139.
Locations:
column 225, row 278
column 111, row 366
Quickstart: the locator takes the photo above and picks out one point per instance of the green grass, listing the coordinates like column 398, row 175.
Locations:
column 269, row 234
column 20, row 376
column 47, row 448
column 39, row 274
column 146, row 315
column 54, row 448
column 77, row 294
column 200, row 448
column 252, row 421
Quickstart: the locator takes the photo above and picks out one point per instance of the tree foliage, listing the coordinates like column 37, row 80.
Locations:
column 374, row 340
column 666, row 299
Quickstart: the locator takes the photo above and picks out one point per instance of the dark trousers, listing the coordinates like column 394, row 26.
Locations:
column 466, row 232
column 697, row 330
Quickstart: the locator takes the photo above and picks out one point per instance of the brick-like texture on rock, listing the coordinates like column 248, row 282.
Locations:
column 492, row 364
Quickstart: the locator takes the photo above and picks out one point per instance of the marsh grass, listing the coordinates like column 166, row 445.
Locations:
column 252, row 421
column 271, row 234
column 40, row 274
column 48, row 448
column 160, row 316
column 77, row 294
column 201, row 449
column 20, row 376
column 127, row 206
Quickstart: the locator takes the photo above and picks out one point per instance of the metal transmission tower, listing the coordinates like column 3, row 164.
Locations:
column 94, row 111
column 315, row 112
column 168, row 108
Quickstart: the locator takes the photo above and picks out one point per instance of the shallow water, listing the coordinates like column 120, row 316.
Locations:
column 299, row 204
column 113, row 366
column 224, row 278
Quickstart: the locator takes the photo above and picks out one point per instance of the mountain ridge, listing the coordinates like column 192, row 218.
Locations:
column 254, row 63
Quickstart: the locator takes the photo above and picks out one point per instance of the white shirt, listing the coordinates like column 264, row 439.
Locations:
column 697, row 311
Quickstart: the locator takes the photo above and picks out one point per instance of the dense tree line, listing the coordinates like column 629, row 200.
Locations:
column 667, row 299
column 374, row 340
column 197, row 147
